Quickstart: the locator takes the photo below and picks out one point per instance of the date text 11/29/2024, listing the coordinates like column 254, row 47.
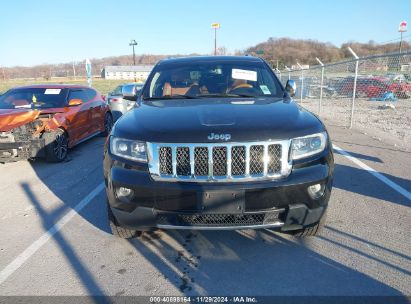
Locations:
column 204, row 299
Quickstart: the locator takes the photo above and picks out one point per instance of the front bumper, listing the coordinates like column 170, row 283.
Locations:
column 283, row 204
column 15, row 151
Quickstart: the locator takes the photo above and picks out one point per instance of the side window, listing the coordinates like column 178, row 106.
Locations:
column 78, row 94
column 266, row 83
column 91, row 94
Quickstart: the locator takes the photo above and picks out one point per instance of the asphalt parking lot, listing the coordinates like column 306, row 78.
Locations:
column 365, row 248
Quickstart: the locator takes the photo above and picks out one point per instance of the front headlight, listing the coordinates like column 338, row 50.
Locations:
column 130, row 149
column 308, row 145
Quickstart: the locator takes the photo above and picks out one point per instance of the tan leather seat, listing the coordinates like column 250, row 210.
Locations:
column 168, row 90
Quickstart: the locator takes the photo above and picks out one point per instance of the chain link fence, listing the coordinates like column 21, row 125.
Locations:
column 371, row 93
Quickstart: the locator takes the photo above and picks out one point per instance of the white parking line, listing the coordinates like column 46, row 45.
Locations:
column 370, row 170
column 36, row 245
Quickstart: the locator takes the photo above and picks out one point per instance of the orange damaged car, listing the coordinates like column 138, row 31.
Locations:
column 47, row 120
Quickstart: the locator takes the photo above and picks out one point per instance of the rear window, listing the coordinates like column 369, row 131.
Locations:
column 117, row 91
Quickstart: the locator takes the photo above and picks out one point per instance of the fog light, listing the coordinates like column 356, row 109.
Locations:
column 124, row 192
column 316, row 191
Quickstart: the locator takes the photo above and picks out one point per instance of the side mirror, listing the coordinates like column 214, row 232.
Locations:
column 75, row 102
column 291, row 87
column 129, row 92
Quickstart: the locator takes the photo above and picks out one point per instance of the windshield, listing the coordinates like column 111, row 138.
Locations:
column 214, row 79
column 34, row 98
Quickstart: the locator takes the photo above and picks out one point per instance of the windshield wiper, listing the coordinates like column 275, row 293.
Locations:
column 171, row 97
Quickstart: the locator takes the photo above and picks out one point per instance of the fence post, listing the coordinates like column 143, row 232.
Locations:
column 279, row 72
column 321, row 85
column 289, row 74
column 302, row 82
column 354, row 90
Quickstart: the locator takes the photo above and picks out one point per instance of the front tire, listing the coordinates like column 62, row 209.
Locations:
column 119, row 231
column 56, row 145
column 108, row 124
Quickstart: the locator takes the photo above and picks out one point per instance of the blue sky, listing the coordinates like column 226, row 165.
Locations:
column 51, row 31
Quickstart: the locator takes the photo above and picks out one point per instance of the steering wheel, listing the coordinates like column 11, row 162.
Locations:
column 241, row 86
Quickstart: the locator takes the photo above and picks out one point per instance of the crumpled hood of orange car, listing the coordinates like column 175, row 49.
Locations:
column 13, row 118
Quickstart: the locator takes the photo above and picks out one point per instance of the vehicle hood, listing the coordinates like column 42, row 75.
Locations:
column 13, row 118
column 179, row 121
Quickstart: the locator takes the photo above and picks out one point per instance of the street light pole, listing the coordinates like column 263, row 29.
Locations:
column 402, row 28
column 74, row 70
column 133, row 43
column 401, row 42
column 215, row 26
column 215, row 41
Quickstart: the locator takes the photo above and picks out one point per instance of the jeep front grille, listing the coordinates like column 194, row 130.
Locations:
column 218, row 161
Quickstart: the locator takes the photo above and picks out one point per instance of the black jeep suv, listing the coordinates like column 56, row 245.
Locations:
column 217, row 143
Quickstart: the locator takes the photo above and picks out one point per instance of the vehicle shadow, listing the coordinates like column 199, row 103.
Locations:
column 361, row 156
column 252, row 262
column 69, row 253
column 371, row 146
column 359, row 181
column 67, row 181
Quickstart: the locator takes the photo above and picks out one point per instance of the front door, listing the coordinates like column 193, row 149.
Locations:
column 79, row 117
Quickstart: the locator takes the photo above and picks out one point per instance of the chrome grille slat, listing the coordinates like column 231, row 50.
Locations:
column 228, row 162
column 265, row 160
column 247, row 161
column 210, row 162
column 174, row 159
column 192, row 162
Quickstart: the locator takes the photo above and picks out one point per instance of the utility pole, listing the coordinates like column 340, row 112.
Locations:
column 133, row 43
column 74, row 70
column 215, row 26
column 215, row 42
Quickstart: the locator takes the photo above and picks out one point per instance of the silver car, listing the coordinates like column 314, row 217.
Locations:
column 117, row 103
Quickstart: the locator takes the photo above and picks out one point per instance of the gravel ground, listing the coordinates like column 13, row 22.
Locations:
column 385, row 124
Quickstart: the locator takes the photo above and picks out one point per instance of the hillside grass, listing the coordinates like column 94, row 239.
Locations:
column 102, row 85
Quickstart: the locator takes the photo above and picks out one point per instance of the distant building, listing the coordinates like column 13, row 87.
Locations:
column 131, row 72
column 303, row 66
